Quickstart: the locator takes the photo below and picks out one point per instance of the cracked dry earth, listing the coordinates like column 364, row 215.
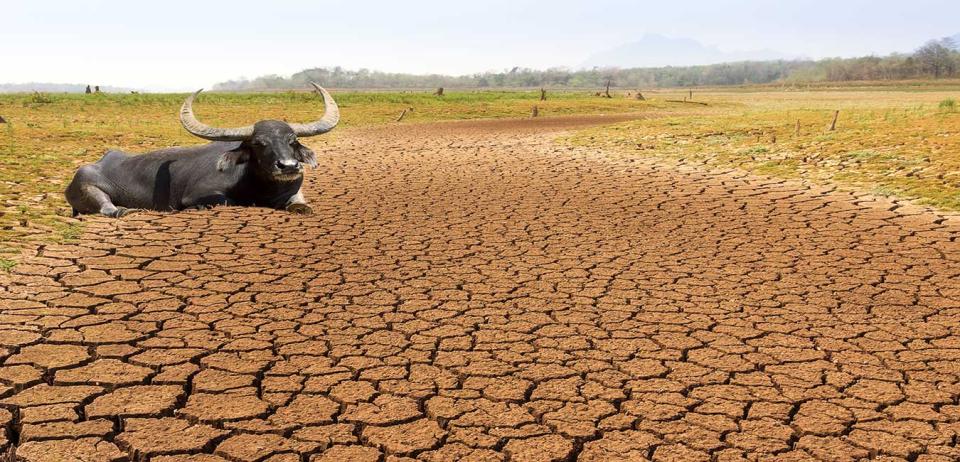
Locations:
column 478, row 292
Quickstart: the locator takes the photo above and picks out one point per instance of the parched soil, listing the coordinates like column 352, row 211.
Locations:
column 477, row 292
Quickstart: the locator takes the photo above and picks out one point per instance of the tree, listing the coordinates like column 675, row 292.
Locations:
column 951, row 42
column 936, row 58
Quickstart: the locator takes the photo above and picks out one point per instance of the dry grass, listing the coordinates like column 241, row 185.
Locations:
column 49, row 135
column 899, row 141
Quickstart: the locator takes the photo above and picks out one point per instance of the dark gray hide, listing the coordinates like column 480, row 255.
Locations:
column 263, row 168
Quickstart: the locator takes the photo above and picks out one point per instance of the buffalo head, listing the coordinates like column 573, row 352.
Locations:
column 271, row 146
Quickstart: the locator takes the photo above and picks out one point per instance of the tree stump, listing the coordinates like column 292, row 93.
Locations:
column 833, row 125
column 543, row 94
column 88, row 91
column 535, row 112
column 439, row 92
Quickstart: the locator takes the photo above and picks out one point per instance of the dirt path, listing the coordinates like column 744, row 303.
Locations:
column 467, row 292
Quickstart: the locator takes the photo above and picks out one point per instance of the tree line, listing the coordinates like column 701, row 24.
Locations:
column 934, row 60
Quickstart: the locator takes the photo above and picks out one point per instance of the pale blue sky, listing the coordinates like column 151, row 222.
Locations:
column 180, row 45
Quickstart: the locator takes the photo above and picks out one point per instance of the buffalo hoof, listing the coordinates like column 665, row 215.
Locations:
column 300, row 209
column 119, row 212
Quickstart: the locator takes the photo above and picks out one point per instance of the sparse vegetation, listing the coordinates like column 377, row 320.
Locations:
column 6, row 264
column 69, row 232
column 902, row 143
column 43, row 144
column 948, row 104
column 892, row 138
column 40, row 98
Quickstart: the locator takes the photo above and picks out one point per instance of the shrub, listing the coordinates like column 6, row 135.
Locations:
column 40, row 98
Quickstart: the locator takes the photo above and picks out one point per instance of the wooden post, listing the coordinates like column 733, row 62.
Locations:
column 833, row 125
column 773, row 138
column 543, row 94
column 535, row 112
column 691, row 95
column 401, row 115
column 798, row 127
column 608, row 90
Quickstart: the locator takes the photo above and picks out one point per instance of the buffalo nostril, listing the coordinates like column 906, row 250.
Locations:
column 288, row 166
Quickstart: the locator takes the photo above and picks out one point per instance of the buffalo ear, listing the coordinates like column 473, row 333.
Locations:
column 305, row 155
column 231, row 158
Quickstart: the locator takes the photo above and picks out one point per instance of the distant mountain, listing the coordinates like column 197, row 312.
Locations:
column 56, row 88
column 658, row 51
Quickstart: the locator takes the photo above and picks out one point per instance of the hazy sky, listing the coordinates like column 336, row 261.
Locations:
column 180, row 45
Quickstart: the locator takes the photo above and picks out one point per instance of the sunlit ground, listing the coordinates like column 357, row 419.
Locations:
column 891, row 140
column 897, row 142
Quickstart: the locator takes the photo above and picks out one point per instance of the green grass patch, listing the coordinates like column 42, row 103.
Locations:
column 784, row 169
column 70, row 232
column 756, row 150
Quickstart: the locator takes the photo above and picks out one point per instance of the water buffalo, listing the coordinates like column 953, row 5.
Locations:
column 257, row 165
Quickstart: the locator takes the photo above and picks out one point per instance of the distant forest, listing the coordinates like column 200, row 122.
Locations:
column 936, row 59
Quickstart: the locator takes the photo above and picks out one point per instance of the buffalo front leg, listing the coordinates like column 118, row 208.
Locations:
column 100, row 201
column 297, row 204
